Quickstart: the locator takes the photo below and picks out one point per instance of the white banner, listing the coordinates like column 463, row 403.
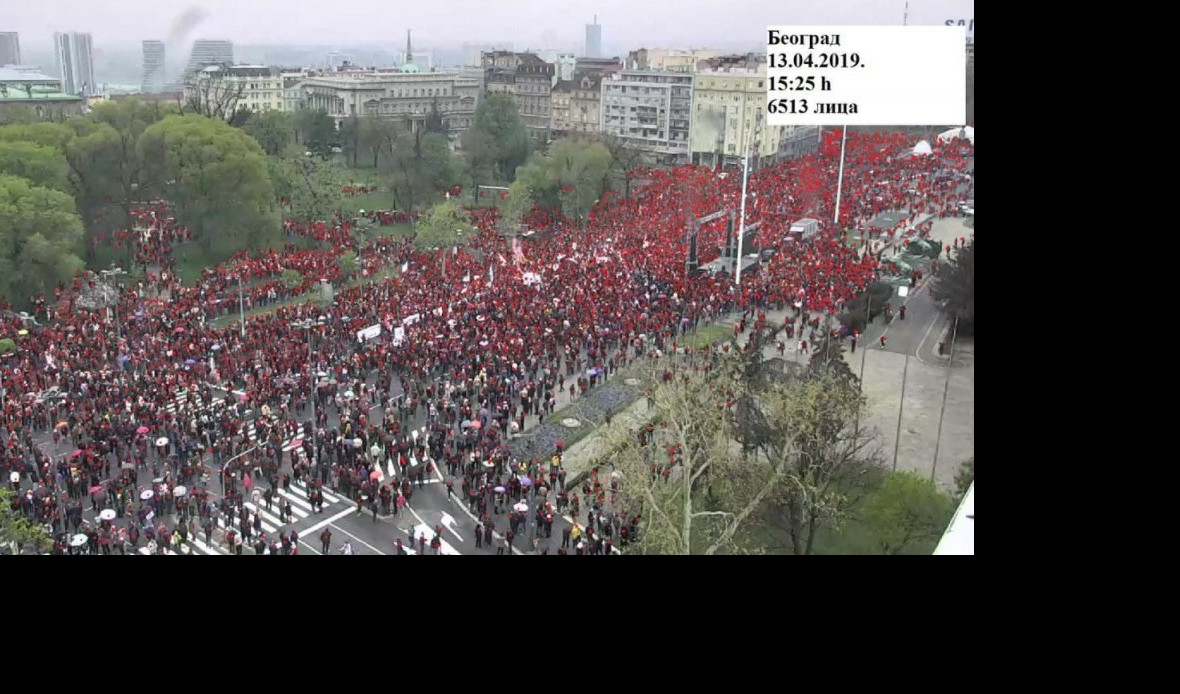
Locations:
column 368, row 333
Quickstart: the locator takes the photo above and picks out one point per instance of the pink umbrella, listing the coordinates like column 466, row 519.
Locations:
column 142, row 430
column 476, row 425
column 96, row 489
column 76, row 453
column 296, row 443
column 374, row 475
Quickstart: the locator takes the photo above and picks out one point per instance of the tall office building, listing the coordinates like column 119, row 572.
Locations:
column 153, row 67
column 75, row 63
column 210, row 51
column 9, row 48
column 594, row 39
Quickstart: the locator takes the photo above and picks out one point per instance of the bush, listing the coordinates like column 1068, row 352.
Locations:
column 291, row 278
column 7, row 345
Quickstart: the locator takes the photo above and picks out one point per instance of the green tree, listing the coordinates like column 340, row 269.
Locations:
column 505, row 137
column 906, row 514
column 17, row 531
column 311, row 185
column 273, row 130
column 350, row 138
column 376, row 137
column 623, row 159
column 347, row 262
column 315, row 130
column 421, row 166
column 47, row 134
column 41, row 165
column 217, row 177
column 291, row 279
column 479, row 158
column 434, row 120
column 7, row 345
column 964, row 478
column 570, row 177
column 520, row 203
column 40, row 235
column 444, row 225
column 954, row 285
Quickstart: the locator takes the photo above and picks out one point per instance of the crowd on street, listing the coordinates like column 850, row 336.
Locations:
column 479, row 340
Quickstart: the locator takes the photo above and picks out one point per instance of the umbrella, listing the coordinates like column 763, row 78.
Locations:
column 179, row 329
column 96, row 489
column 63, row 425
column 522, row 507
column 349, row 394
column 375, row 475
column 179, row 490
column 526, row 481
column 76, row 453
column 357, row 443
column 146, row 494
column 296, row 443
column 190, row 362
column 78, row 540
column 127, row 466
column 476, row 425
column 142, row 430
column 107, row 514
column 499, row 490
column 162, row 441
column 22, row 332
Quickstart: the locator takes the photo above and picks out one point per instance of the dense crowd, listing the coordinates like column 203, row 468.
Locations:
column 480, row 341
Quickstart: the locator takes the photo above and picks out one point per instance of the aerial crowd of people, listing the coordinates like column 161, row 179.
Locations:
column 474, row 347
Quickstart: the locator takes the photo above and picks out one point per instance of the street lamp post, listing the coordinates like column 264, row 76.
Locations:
column 241, row 306
column 308, row 324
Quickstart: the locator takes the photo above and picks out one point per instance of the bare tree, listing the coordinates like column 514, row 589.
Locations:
column 213, row 96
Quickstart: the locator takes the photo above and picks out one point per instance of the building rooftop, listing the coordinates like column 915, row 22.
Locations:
column 34, row 93
column 25, row 73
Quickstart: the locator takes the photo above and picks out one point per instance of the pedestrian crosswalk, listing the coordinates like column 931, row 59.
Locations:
column 184, row 400
column 301, row 431
column 272, row 524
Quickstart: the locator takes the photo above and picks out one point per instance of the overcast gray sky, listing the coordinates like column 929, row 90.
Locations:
column 531, row 23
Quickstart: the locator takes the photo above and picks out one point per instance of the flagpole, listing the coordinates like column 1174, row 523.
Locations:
column 737, row 275
column 840, row 180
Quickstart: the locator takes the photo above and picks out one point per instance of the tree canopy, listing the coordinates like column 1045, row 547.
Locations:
column 315, row 130
column 17, row 530
column 954, row 284
column 310, row 186
column 40, row 235
column 273, row 130
column 498, row 141
column 444, row 225
column 42, row 165
column 217, row 177
column 906, row 514
column 571, row 177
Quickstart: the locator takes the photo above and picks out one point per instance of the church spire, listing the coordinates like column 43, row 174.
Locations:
column 409, row 48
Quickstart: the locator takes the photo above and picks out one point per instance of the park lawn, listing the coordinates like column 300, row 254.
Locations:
column 312, row 295
column 707, row 335
column 381, row 200
column 190, row 260
column 377, row 231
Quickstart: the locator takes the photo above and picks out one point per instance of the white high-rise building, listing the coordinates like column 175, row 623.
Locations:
column 154, row 78
column 75, row 63
column 209, row 51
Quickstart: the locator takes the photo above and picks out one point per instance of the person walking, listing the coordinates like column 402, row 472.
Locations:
column 326, row 540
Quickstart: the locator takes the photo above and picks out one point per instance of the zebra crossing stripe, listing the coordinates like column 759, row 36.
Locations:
column 329, row 498
column 297, row 503
column 207, row 549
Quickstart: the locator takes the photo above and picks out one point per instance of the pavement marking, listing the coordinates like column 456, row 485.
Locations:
column 918, row 352
column 366, row 544
column 425, row 530
column 448, row 521
column 471, row 515
column 328, row 521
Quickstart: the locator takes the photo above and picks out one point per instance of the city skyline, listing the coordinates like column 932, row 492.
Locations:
column 626, row 25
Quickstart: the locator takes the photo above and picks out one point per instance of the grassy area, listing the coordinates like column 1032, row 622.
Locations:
column 381, row 200
column 377, row 231
column 232, row 318
column 707, row 335
column 190, row 260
